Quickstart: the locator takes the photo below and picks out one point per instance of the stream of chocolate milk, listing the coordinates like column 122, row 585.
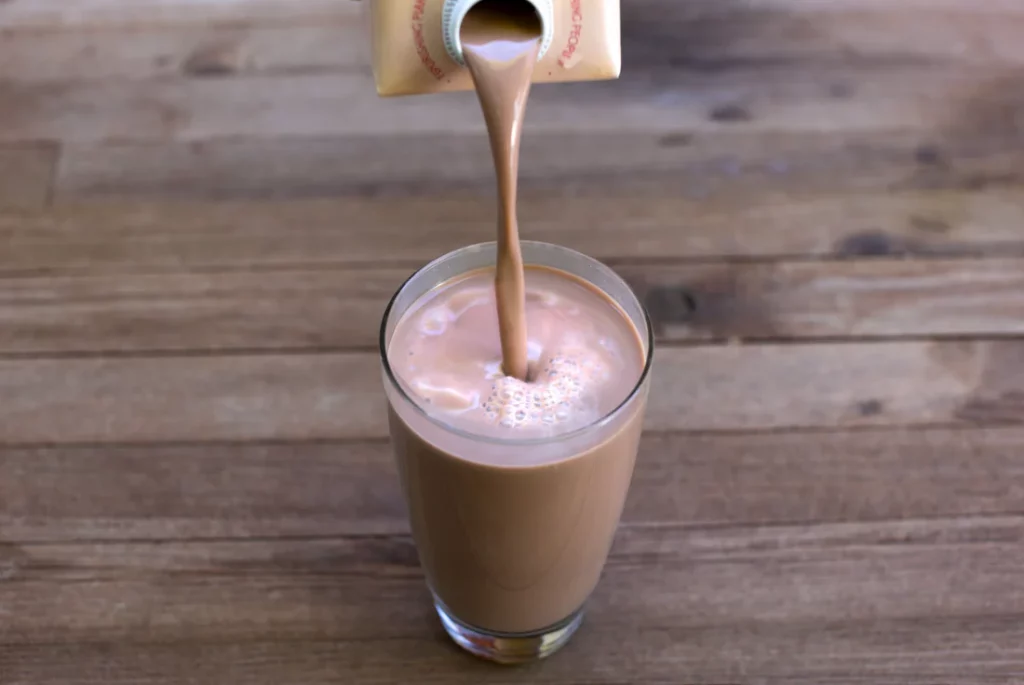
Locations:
column 501, row 41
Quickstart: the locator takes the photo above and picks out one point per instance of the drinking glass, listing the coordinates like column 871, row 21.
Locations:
column 512, row 586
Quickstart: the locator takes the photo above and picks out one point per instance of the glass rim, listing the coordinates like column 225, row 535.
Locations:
column 561, row 437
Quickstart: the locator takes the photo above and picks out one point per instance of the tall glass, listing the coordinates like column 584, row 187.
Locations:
column 511, row 552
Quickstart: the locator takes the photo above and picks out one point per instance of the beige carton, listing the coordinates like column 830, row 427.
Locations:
column 410, row 57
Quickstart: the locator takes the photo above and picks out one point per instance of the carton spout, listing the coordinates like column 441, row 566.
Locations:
column 410, row 55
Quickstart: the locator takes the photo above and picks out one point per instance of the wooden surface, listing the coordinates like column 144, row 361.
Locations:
column 204, row 208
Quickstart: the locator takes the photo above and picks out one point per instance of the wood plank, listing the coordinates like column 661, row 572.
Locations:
column 171, row 38
column 337, row 395
column 58, row 14
column 372, row 588
column 337, row 44
column 913, row 652
column 275, row 310
column 802, row 98
column 655, row 220
column 701, row 165
column 124, row 492
column 55, row 14
column 832, row 299
column 338, row 309
column 26, row 176
column 710, row 34
column 229, row 398
column 997, row 6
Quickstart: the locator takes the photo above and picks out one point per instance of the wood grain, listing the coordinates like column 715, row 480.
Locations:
column 675, row 579
column 832, row 299
column 911, row 652
column 802, row 98
column 26, row 176
column 654, row 220
column 275, row 310
column 731, row 34
column 338, row 395
column 124, row 14
column 195, row 477
column 30, row 56
column 203, row 491
column 54, row 14
column 38, row 46
column 338, row 309
column 711, row 164
column 311, row 309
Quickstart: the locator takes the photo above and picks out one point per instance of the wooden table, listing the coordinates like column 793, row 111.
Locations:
column 204, row 207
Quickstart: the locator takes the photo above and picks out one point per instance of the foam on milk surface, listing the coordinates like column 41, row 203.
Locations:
column 584, row 356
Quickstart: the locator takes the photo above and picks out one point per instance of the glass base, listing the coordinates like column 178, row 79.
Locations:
column 505, row 648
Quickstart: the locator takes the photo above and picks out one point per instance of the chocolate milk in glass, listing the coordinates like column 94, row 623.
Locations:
column 515, row 488
column 516, row 373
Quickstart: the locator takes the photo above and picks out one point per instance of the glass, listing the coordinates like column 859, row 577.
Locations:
column 512, row 548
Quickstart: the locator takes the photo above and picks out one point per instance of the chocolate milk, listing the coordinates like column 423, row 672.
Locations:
column 514, row 495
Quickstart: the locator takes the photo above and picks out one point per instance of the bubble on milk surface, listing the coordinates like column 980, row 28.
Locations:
column 434, row 321
column 560, row 391
column 446, row 395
